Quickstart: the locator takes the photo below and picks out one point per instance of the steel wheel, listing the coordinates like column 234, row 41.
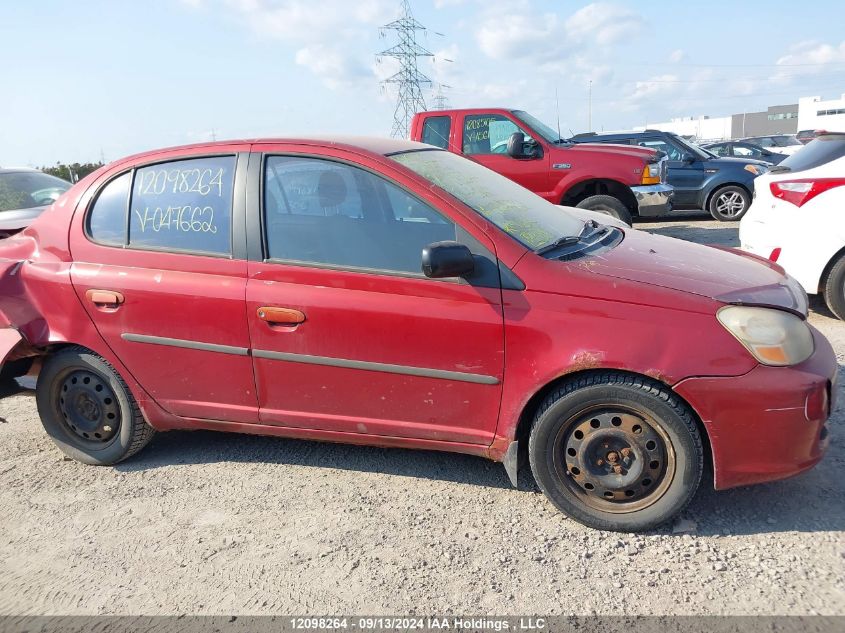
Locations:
column 88, row 406
column 615, row 460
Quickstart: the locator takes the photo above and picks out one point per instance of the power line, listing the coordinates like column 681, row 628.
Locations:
column 409, row 79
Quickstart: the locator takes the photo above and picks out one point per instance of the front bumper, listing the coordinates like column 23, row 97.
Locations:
column 768, row 424
column 654, row 200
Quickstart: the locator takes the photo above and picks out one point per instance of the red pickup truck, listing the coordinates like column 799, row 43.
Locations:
column 620, row 180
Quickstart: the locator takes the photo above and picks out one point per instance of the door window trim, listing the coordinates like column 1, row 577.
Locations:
column 237, row 229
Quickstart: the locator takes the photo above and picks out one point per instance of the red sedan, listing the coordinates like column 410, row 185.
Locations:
column 390, row 293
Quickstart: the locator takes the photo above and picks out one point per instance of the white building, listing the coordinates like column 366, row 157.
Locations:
column 815, row 114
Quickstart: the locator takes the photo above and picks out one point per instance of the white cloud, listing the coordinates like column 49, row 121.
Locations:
column 323, row 33
column 515, row 31
column 813, row 53
column 604, row 22
column 677, row 56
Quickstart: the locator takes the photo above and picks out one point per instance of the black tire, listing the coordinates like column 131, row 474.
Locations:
column 834, row 289
column 87, row 409
column 658, row 477
column 608, row 205
column 729, row 204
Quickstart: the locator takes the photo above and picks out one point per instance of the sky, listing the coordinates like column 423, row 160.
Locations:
column 96, row 79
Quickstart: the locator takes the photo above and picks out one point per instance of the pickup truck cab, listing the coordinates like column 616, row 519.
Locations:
column 619, row 181
column 702, row 179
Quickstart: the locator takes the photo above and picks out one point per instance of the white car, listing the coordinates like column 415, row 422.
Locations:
column 779, row 143
column 797, row 219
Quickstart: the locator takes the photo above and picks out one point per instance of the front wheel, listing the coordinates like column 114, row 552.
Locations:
column 729, row 204
column 87, row 409
column 608, row 205
column 616, row 452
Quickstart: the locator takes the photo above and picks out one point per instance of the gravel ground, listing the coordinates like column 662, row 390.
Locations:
column 204, row 523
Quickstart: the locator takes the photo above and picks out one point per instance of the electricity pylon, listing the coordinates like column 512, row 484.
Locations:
column 409, row 79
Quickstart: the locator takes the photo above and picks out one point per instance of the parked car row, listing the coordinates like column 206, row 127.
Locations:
column 701, row 179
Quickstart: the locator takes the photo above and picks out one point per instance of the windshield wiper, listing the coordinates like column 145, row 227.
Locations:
column 780, row 169
column 591, row 228
column 561, row 241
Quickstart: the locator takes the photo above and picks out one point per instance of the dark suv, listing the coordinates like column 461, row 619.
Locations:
column 702, row 180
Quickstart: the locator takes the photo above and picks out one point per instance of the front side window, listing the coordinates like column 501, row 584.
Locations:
column 183, row 205
column 436, row 131
column 722, row 150
column 488, row 134
column 329, row 213
column 523, row 215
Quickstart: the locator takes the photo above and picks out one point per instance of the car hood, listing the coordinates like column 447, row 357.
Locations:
column 16, row 219
column 633, row 151
column 728, row 161
column 723, row 274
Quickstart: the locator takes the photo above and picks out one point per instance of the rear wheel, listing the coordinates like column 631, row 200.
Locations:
column 729, row 204
column 616, row 452
column 834, row 289
column 87, row 409
column 607, row 205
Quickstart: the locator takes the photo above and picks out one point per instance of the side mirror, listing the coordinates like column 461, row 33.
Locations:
column 516, row 145
column 447, row 259
column 689, row 159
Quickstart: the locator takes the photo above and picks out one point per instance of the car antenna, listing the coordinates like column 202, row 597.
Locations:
column 557, row 111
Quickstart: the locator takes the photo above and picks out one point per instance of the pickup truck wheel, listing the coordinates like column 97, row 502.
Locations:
column 616, row 452
column 834, row 289
column 607, row 205
column 729, row 204
column 87, row 409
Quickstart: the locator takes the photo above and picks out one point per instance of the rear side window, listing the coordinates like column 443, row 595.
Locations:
column 328, row 213
column 183, row 205
column 436, row 131
column 107, row 220
column 817, row 152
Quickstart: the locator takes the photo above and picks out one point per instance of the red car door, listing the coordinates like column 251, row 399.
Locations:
column 159, row 264
column 347, row 334
column 484, row 138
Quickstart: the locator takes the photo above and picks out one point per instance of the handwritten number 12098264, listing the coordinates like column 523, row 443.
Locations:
column 185, row 218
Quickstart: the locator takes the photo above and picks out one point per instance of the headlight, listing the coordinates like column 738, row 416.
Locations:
column 773, row 337
column 756, row 169
column 651, row 174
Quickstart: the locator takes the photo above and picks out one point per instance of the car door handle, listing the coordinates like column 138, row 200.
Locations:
column 280, row 316
column 105, row 298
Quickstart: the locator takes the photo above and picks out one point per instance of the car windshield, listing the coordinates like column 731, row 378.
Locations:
column 523, row 215
column 786, row 141
column 697, row 151
column 538, row 126
column 28, row 189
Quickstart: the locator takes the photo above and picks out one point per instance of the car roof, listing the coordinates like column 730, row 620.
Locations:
column 371, row 144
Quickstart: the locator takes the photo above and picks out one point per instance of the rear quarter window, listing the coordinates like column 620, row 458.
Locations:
column 183, row 205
